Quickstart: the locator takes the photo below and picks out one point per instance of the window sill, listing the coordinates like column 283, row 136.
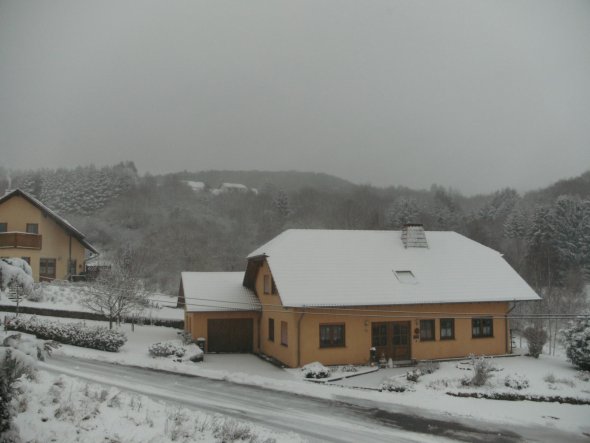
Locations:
column 333, row 347
column 482, row 336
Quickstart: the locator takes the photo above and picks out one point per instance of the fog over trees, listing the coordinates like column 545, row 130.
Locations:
column 544, row 234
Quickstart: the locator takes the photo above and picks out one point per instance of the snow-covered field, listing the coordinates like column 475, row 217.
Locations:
column 66, row 296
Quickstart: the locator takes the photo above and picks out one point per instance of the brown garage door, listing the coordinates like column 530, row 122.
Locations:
column 230, row 335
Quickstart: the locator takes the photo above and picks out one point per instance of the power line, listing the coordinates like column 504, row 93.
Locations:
column 379, row 312
column 395, row 314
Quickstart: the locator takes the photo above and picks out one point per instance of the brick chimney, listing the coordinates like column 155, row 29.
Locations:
column 413, row 236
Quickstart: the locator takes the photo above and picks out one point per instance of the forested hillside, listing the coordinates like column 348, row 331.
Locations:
column 544, row 234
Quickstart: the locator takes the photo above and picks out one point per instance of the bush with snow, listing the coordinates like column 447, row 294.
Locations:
column 393, row 384
column 18, row 359
column 166, row 349
column 482, row 369
column 536, row 338
column 516, row 381
column 315, row 370
column 577, row 340
column 77, row 334
column 413, row 375
column 428, row 367
column 15, row 271
column 186, row 337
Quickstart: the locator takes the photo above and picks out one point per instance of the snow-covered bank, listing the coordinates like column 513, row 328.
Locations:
column 66, row 409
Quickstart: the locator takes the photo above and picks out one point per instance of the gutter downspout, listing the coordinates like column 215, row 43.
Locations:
column 299, row 339
column 69, row 258
column 508, row 338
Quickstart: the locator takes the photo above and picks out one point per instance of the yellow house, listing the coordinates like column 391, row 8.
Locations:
column 334, row 295
column 48, row 242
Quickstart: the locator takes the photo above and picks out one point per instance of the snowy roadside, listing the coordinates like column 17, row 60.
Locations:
column 427, row 397
column 66, row 409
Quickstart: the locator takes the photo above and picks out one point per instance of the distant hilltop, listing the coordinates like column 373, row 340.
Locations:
column 223, row 189
column 260, row 180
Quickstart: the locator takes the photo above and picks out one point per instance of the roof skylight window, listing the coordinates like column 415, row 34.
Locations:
column 405, row 277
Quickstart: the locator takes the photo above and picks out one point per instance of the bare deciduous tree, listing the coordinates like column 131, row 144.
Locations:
column 118, row 293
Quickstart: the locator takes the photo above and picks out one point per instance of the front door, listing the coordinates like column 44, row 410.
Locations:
column 391, row 339
column 401, row 340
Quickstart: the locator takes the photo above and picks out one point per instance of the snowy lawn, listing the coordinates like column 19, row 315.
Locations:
column 65, row 409
column 547, row 376
column 66, row 296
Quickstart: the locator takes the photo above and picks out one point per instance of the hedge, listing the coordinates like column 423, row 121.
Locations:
column 77, row 334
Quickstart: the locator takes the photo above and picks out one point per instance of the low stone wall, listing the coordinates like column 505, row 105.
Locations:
column 81, row 315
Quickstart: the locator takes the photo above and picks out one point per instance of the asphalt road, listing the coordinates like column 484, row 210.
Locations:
column 343, row 420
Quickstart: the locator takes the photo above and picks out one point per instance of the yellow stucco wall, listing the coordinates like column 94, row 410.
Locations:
column 17, row 212
column 358, row 324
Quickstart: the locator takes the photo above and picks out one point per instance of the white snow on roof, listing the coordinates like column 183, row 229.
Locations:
column 356, row 268
column 234, row 186
column 195, row 186
column 217, row 291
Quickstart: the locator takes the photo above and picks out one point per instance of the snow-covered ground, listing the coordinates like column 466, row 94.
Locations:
column 66, row 296
column 66, row 409
column 548, row 376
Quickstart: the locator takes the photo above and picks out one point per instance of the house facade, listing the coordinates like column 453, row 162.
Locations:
column 48, row 242
column 331, row 296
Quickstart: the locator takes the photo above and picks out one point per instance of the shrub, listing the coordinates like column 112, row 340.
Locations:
column 77, row 334
column 166, row 349
column 392, row 384
column 232, row 430
column 186, row 337
column 413, row 375
column 17, row 359
column 482, row 369
column 552, row 379
column 428, row 367
column 315, row 370
column 536, row 338
column 577, row 339
column 516, row 381
column 36, row 294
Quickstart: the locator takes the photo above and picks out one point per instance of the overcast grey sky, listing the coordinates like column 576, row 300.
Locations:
column 468, row 94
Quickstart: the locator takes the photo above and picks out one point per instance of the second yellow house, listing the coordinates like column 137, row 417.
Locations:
column 49, row 243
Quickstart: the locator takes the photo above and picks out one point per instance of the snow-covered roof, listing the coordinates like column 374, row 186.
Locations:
column 217, row 291
column 234, row 186
column 195, row 186
column 57, row 218
column 358, row 268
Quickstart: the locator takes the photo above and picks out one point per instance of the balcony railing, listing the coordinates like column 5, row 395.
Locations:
column 20, row 240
